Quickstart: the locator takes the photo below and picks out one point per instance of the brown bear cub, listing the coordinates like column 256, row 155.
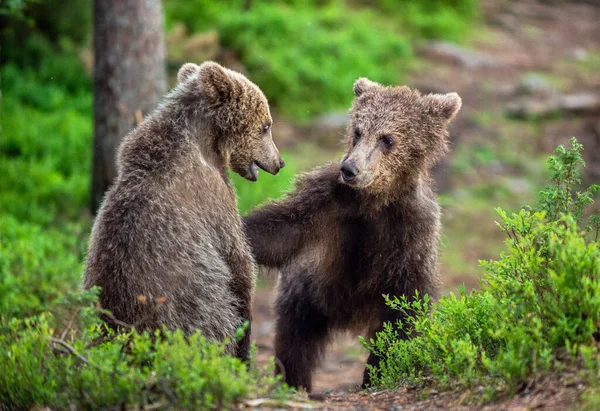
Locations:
column 352, row 232
column 168, row 246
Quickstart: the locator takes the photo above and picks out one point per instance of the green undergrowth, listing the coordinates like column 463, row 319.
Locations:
column 306, row 55
column 65, row 358
column 538, row 309
column 45, row 150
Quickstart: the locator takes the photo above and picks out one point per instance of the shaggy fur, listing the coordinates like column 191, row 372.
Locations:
column 167, row 246
column 342, row 239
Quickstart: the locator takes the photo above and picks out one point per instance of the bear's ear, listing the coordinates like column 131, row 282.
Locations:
column 444, row 105
column 215, row 82
column 186, row 71
column 363, row 84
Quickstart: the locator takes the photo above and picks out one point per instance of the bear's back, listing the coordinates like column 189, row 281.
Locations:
column 164, row 235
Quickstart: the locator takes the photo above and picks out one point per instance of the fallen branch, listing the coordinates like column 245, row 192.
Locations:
column 70, row 349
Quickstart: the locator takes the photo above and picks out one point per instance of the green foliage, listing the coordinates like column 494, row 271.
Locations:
column 305, row 60
column 44, row 162
column 538, row 307
column 45, row 147
column 37, row 265
column 434, row 19
column 559, row 196
column 89, row 367
column 45, row 37
column 14, row 8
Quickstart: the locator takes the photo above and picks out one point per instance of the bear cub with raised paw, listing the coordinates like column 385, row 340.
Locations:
column 168, row 246
column 354, row 231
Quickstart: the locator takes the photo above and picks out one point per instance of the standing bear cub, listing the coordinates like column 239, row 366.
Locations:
column 168, row 246
column 350, row 233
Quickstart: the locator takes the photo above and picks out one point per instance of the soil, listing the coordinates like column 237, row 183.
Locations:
column 517, row 38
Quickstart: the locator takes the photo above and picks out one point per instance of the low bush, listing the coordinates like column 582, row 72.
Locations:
column 71, row 360
column 538, row 308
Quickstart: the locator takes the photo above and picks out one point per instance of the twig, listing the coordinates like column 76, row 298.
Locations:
column 99, row 341
column 157, row 405
column 117, row 321
column 168, row 392
column 70, row 349
column 69, row 324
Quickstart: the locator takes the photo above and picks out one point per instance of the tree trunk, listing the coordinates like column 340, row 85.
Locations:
column 129, row 78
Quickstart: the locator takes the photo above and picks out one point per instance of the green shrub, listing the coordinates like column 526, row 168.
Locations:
column 538, row 307
column 88, row 367
column 45, row 148
column 38, row 265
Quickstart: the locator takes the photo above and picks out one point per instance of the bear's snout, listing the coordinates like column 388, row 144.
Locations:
column 349, row 171
column 268, row 157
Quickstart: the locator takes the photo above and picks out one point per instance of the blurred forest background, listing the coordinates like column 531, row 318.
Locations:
column 528, row 73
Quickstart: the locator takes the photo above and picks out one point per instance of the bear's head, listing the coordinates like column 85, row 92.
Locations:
column 394, row 134
column 238, row 115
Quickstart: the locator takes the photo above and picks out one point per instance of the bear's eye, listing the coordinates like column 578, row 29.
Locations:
column 265, row 128
column 356, row 135
column 387, row 142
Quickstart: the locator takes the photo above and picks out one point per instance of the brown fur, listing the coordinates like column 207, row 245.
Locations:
column 341, row 244
column 169, row 229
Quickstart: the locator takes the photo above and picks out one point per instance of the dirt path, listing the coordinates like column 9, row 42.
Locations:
column 557, row 39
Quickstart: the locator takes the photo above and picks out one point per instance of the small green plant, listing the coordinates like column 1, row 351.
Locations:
column 560, row 197
column 78, row 363
column 538, row 308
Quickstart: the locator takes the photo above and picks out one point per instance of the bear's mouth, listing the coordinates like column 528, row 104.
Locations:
column 253, row 170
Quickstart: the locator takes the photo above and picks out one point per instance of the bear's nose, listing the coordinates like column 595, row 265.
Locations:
column 281, row 163
column 349, row 172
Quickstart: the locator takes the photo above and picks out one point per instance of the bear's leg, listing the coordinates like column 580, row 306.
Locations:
column 242, row 287
column 374, row 360
column 301, row 336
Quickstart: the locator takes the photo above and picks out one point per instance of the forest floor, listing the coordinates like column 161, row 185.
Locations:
column 526, row 55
